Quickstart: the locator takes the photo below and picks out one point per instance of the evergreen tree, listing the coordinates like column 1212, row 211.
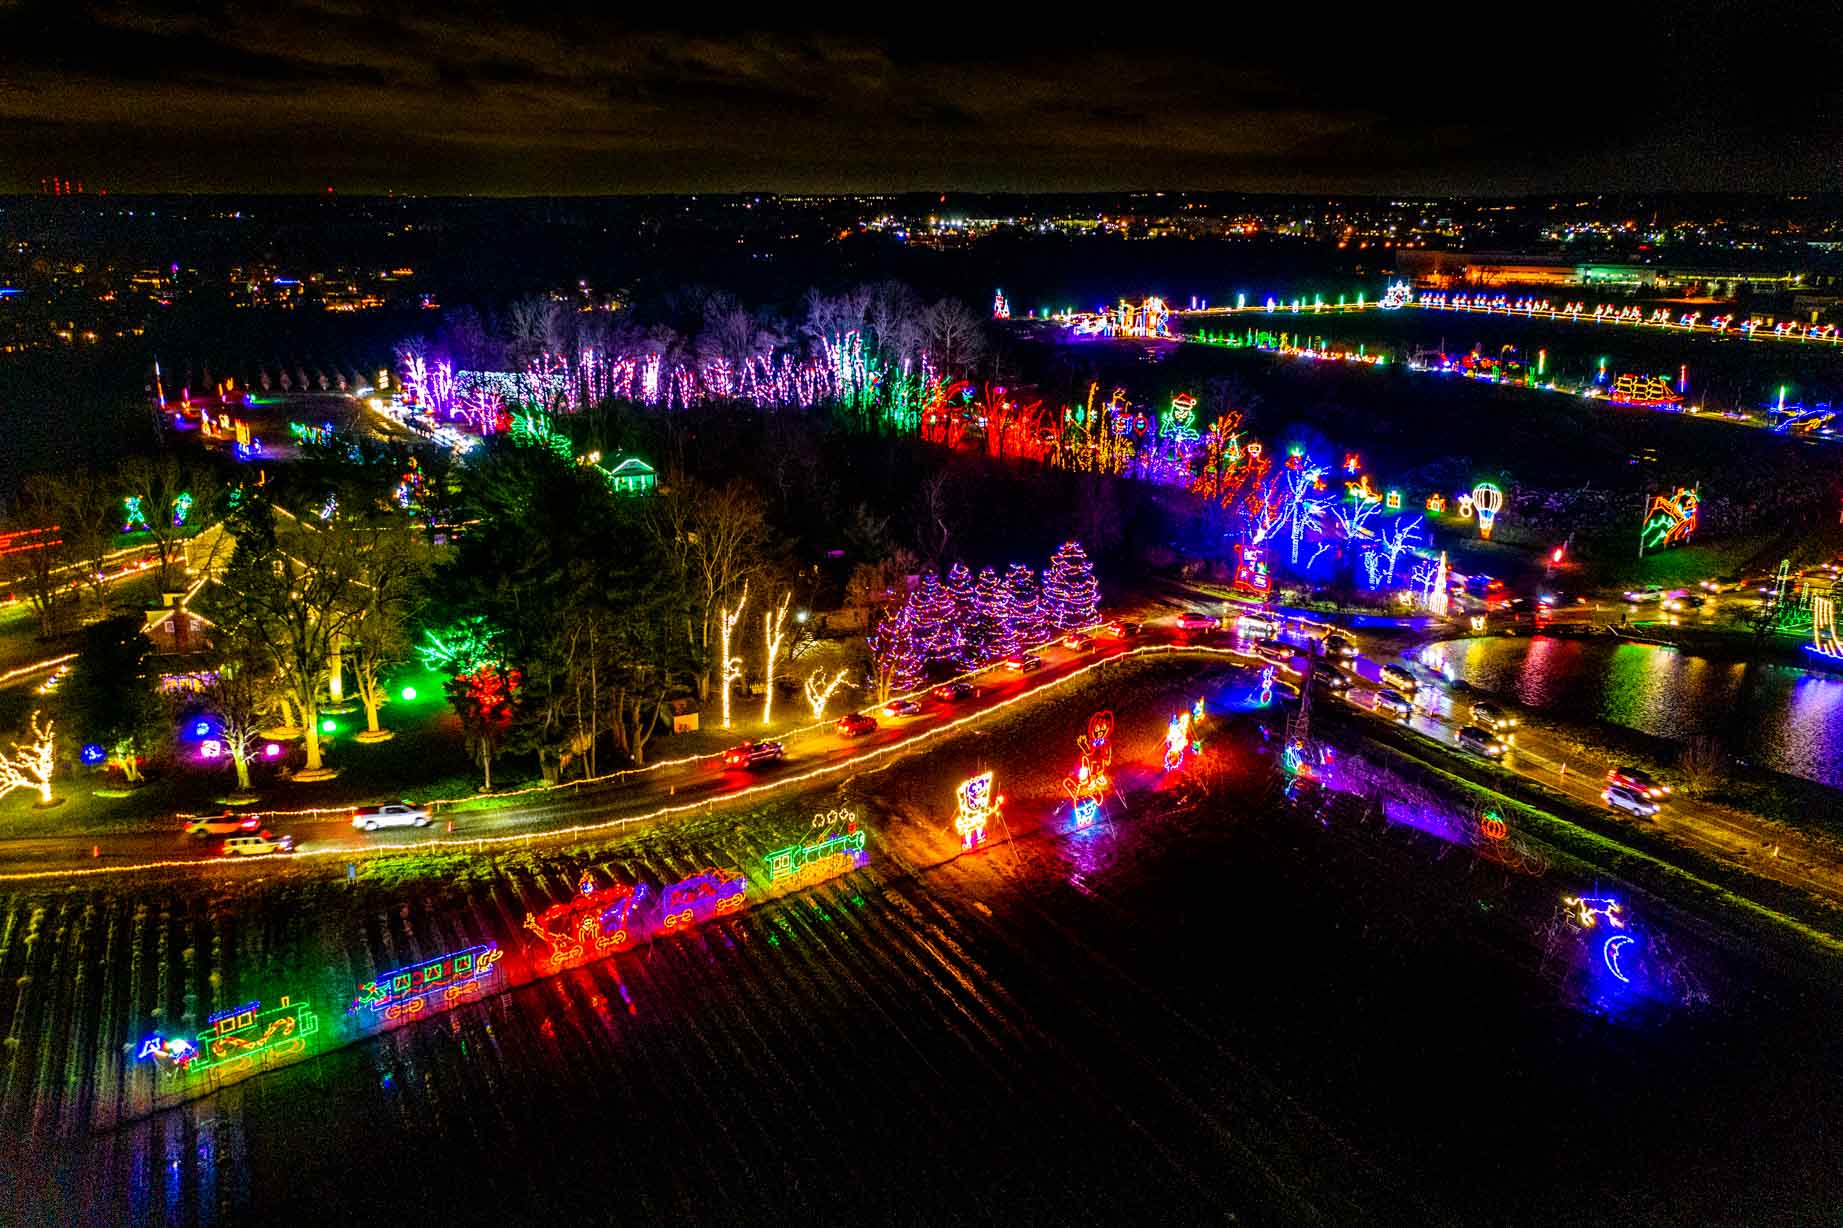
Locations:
column 985, row 630
column 1023, row 613
column 934, row 621
column 1070, row 596
column 959, row 586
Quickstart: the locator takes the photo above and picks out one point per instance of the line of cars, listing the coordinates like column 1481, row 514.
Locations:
column 244, row 835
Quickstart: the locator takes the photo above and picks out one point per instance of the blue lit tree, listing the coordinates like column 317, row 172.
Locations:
column 1071, row 598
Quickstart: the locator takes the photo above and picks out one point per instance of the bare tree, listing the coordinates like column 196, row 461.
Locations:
column 164, row 488
column 955, row 336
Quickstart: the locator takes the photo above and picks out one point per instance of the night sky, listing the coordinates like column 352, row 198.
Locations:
column 299, row 95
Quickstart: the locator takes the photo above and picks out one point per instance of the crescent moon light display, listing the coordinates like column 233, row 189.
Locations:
column 1609, row 951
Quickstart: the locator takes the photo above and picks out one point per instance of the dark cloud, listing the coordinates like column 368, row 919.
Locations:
column 293, row 94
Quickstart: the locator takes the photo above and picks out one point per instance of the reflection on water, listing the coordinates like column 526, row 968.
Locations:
column 1790, row 720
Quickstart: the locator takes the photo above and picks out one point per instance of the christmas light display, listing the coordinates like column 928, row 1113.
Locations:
column 1251, row 569
column 1587, row 910
column 1399, row 294
column 182, row 509
column 1649, row 391
column 1091, row 781
column 596, row 921
column 1070, row 596
column 774, row 625
column 1610, row 951
column 1826, row 639
column 1488, row 501
column 839, row 849
column 462, row 648
column 1266, row 696
column 819, row 690
column 31, row 762
column 1670, row 520
column 729, row 668
column 990, row 634
column 134, row 517
column 171, row 1056
column 896, row 652
column 1023, row 607
column 1397, row 540
column 706, row 894
column 977, row 806
column 235, row 1039
column 1001, row 310
column 406, row 992
column 1177, row 740
column 934, row 620
column 1436, row 504
column 959, row 586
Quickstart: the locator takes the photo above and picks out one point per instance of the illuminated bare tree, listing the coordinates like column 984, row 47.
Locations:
column 30, row 765
column 818, row 693
column 729, row 668
column 774, row 630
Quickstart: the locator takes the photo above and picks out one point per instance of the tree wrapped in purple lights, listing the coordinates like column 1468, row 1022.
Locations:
column 934, row 620
column 1071, row 598
column 1023, row 609
column 989, row 636
column 896, row 652
column 959, row 586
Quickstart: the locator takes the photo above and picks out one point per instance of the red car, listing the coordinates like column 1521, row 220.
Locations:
column 853, row 723
column 749, row 754
column 1638, row 782
column 1075, row 641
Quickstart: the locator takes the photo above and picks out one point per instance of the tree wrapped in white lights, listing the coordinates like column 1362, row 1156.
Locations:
column 31, row 763
column 729, row 668
column 819, row 690
column 774, row 632
column 1399, row 538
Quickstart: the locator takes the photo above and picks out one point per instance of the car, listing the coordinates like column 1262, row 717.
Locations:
column 1650, row 592
column 1191, row 620
column 1481, row 741
column 1629, row 800
column 1394, row 703
column 1330, row 680
column 1120, row 629
column 750, row 754
column 951, row 692
column 1637, row 781
column 1257, row 625
column 1492, row 717
column 226, row 824
column 851, row 724
column 1684, row 603
column 901, row 707
column 395, row 814
column 257, row 844
column 1340, row 648
column 1024, row 663
column 1075, row 641
column 1275, row 651
column 1398, row 677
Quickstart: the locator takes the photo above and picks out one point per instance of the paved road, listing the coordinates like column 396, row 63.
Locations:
column 668, row 790
column 1734, row 836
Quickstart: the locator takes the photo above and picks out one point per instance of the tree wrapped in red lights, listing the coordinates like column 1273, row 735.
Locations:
column 934, row 620
column 896, row 653
column 487, row 702
column 1023, row 610
column 989, row 634
column 1071, row 598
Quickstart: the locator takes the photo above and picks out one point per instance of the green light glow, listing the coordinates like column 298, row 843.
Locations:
column 408, row 693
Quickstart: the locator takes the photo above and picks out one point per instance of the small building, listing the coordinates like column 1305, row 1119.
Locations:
column 633, row 476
